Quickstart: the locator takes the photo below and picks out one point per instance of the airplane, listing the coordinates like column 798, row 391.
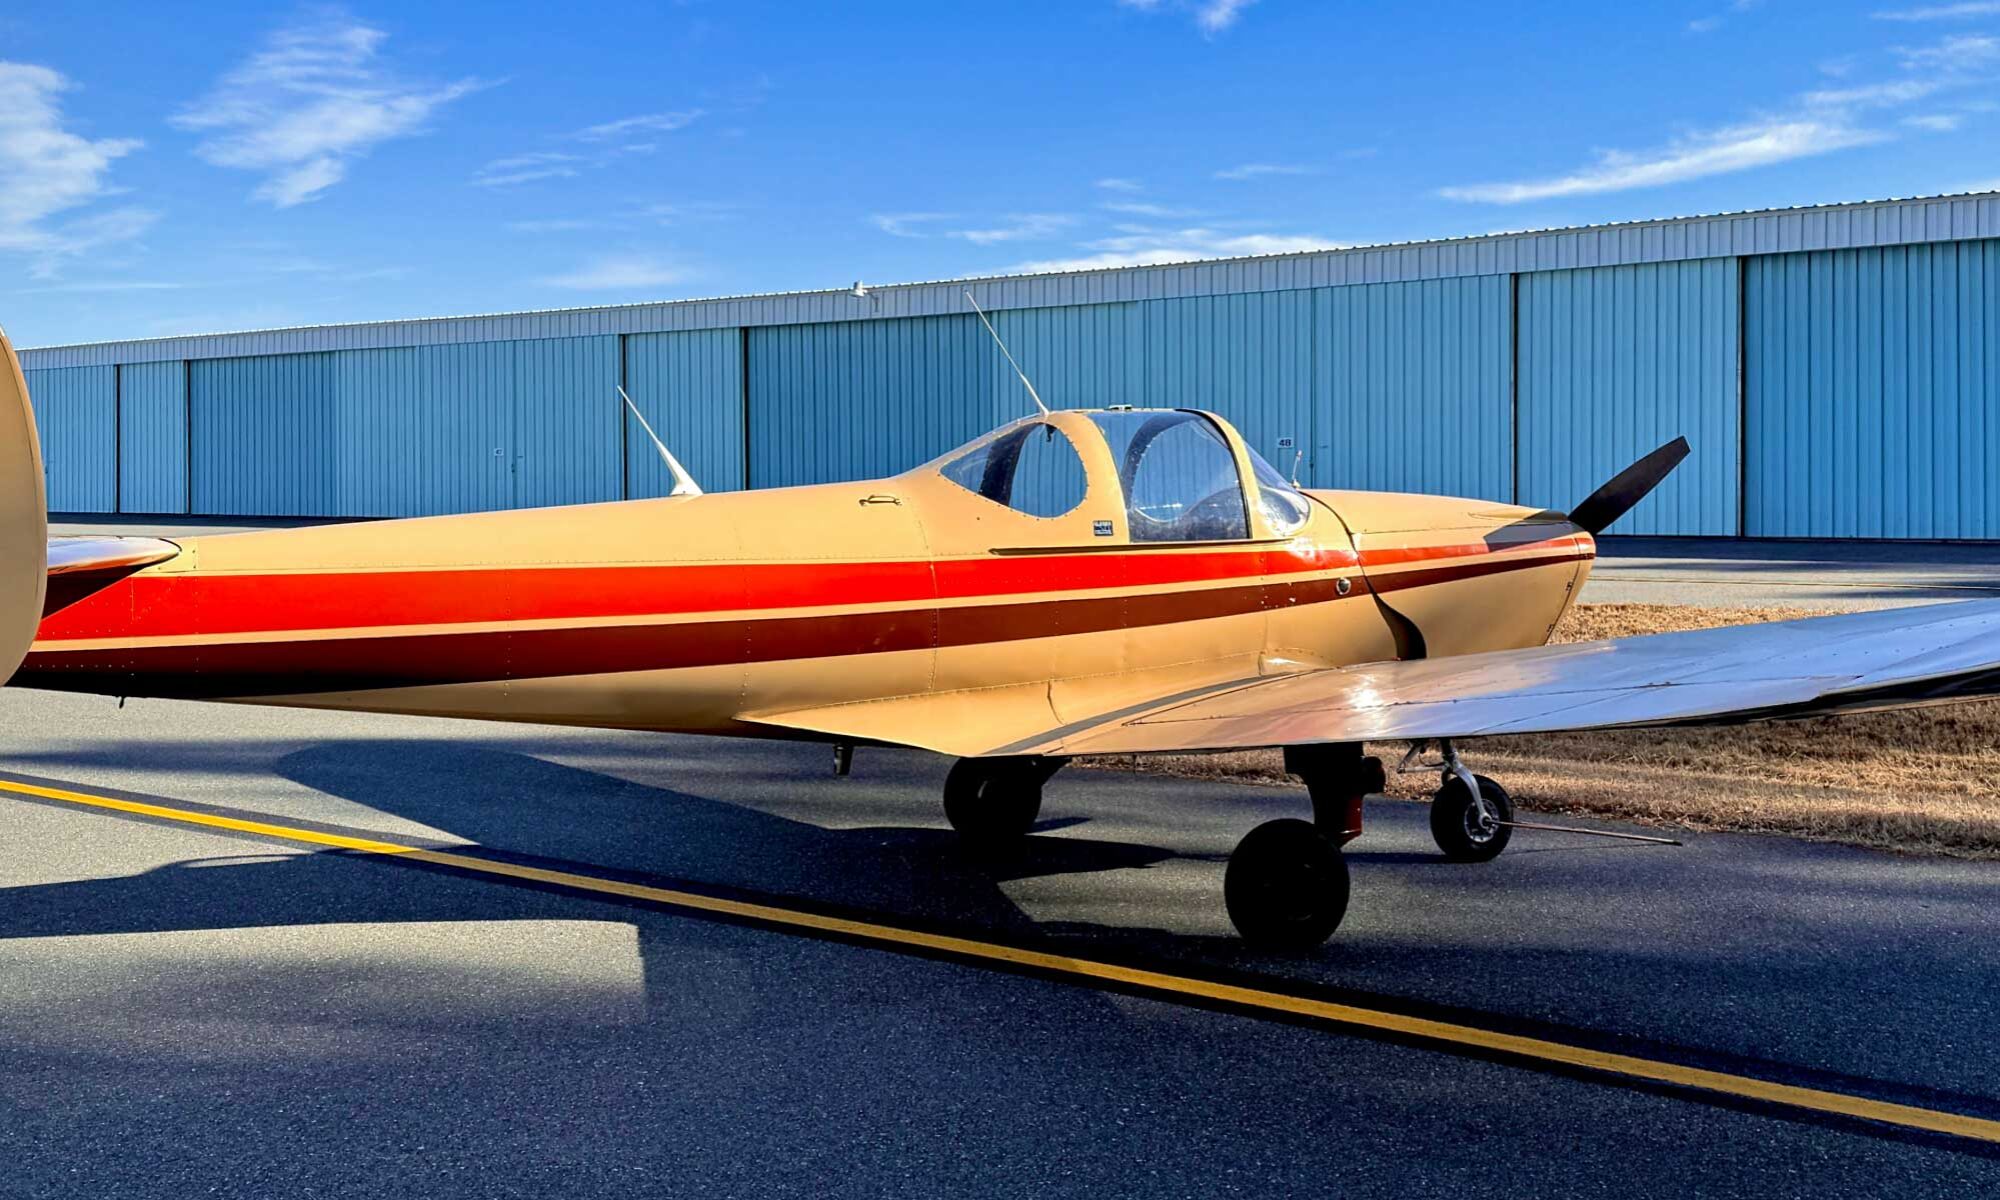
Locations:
column 1082, row 581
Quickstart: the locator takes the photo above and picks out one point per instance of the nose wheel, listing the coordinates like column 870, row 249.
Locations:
column 1468, row 825
column 1472, row 817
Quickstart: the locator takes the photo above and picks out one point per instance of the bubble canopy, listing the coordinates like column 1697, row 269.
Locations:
column 1179, row 475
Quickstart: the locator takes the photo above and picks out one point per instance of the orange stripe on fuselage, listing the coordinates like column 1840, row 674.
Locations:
column 1392, row 556
column 194, row 604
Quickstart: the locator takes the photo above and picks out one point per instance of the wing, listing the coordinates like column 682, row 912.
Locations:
column 1855, row 662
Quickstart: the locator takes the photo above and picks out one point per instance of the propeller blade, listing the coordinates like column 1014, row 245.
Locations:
column 1628, row 487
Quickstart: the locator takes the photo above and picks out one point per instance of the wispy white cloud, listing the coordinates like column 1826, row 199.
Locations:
column 1013, row 227
column 1016, row 227
column 1941, row 12
column 535, row 165
column 662, row 122
column 1121, row 185
column 1263, row 171
column 1136, row 208
column 1695, row 156
column 909, row 224
column 47, row 171
column 1211, row 16
column 1145, row 248
column 1713, row 22
column 617, row 272
column 557, row 225
column 1874, row 95
column 1817, row 122
column 1952, row 56
column 526, row 168
column 309, row 103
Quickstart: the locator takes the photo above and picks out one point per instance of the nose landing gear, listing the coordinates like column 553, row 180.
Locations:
column 1472, row 817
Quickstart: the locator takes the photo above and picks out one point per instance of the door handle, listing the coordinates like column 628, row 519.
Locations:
column 881, row 498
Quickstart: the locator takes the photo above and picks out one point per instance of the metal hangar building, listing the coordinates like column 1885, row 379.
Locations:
column 1837, row 369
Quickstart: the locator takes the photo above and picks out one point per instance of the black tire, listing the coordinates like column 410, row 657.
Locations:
column 1455, row 824
column 1286, row 886
column 992, row 801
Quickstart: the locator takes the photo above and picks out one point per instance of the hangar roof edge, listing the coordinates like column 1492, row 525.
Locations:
column 1846, row 225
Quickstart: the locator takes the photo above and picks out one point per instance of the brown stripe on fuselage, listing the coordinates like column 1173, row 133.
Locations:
column 347, row 664
column 365, row 663
column 1395, row 581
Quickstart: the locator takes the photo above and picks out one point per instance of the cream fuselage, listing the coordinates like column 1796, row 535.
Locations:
column 906, row 609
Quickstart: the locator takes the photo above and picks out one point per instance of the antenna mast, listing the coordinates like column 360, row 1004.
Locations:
column 684, row 484
column 1032, row 393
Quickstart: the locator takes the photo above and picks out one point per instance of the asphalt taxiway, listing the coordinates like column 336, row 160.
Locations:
column 190, row 1006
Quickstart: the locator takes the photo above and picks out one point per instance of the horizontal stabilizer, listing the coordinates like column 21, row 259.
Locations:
column 79, row 566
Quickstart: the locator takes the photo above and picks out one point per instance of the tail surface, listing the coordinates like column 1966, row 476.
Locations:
column 24, row 516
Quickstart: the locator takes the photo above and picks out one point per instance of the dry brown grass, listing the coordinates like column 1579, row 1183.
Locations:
column 1918, row 780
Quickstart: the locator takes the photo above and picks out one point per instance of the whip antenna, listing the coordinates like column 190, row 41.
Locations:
column 684, row 484
column 1032, row 393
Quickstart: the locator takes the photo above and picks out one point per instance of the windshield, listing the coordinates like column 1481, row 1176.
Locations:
column 1280, row 502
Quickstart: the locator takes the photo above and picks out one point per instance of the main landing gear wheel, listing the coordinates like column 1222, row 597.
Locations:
column 1286, row 885
column 1470, row 830
column 993, row 802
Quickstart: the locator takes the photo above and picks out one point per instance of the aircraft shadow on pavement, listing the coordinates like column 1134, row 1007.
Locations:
column 511, row 801
column 515, row 803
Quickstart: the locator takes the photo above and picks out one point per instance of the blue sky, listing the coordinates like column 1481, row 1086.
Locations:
column 170, row 169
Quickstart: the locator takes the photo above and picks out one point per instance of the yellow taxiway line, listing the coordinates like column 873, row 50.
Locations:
column 1158, row 983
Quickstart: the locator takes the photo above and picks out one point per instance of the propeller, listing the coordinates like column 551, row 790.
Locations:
column 1628, row 487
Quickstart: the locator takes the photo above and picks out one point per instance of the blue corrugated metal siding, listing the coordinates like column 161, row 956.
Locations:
column 1247, row 358
column 423, row 430
column 690, row 386
column 1616, row 361
column 1412, row 388
column 1085, row 356
column 263, row 436
column 408, row 432
column 153, row 438
column 1872, row 379
column 856, row 400
column 567, row 419
column 76, row 413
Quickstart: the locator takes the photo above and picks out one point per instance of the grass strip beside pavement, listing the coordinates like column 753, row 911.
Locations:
column 1919, row 780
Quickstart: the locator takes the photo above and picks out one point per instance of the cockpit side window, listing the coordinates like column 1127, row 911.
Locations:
column 1179, row 476
column 1033, row 470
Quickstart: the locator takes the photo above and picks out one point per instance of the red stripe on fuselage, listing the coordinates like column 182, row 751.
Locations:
column 198, row 604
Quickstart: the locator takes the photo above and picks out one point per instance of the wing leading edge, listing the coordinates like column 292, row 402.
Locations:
column 1853, row 662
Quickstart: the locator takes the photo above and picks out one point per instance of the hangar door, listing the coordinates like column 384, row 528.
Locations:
column 1872, row 379
column 1615, row 361
column 408, row 431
